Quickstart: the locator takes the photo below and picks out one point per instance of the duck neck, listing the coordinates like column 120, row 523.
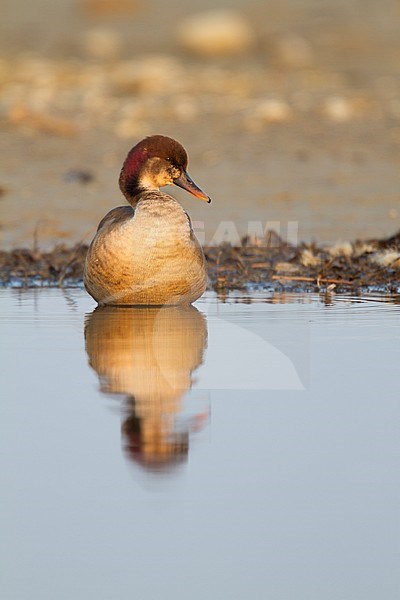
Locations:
column 132, row 188
column 131, row 180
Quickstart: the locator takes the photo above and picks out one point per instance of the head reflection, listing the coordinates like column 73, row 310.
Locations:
column 148, row 355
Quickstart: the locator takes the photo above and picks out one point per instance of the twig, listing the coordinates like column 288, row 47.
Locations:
column 312, row 279
column 73, row 258
column 69, row 263
column 36, row 238
column 260, row 265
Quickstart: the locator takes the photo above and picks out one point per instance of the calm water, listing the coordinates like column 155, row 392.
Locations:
column 232, row 450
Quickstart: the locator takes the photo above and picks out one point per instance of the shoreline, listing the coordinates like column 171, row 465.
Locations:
column 268, row 264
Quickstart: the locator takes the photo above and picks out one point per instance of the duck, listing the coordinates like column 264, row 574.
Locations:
column 146, row 253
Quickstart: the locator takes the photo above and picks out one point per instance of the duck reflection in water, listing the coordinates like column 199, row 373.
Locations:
column 149, row 355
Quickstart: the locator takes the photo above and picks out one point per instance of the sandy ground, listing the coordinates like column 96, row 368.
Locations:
column 301, row 128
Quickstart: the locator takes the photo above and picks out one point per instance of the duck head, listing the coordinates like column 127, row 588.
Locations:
column 154, row 162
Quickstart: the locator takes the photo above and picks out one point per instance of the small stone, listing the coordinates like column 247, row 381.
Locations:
column 309, row 259
column 341, row 249
column 78, row 176
column 152, row 73
column 387, row 258
column 102, row 43
column 185, row 109
column 339, row 109
column 132, row 120
column 216, row 32
column 267, row 111
column 21, row 115
column 273, row 110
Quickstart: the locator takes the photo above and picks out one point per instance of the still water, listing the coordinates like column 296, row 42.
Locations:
column 238, row 449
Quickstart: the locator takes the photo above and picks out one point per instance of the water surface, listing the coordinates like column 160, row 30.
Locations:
column 228, row 450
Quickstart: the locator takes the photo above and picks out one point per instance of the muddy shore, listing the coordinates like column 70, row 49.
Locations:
column 301, row 125
column 268, row 265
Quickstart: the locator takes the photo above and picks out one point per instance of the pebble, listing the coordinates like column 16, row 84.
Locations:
column 79, row 176
column 130, row 97
column 341, row 249
column 387, row 258
column 20, row 114
column 132, row 122
column 216, row 32
column 102, row 43
column 151, row 74
column 272, row 110
column 338, row 109
column 185, row 109
column 309, row 259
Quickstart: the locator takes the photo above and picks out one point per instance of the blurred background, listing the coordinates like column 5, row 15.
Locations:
column 289, row 110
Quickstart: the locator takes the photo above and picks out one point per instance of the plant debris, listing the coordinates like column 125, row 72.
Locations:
column 268, row 264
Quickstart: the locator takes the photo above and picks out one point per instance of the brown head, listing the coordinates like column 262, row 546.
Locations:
column 154, row 162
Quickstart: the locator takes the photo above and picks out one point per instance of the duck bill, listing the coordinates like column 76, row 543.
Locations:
column 186, row 183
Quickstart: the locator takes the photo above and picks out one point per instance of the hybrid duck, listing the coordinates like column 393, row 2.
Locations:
column 147, row 253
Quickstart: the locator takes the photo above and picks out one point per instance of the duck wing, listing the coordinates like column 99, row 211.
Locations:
column 116, row 216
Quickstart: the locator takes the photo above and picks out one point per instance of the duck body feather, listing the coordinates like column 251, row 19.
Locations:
column 146, row 254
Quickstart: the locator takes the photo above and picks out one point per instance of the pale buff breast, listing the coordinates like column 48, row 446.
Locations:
column 147, row 256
